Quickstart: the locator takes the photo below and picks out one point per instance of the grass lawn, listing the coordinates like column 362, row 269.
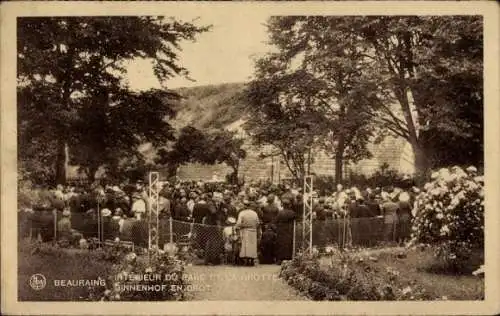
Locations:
column 58, row 265
column 412, row 268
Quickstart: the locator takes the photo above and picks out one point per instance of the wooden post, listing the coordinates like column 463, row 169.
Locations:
column 294, row 239
column 55, row 225
column 98, row 224
column 170, row 224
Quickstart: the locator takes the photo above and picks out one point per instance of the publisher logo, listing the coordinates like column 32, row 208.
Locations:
column 38, row 282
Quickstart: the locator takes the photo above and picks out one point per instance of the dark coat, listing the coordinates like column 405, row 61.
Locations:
column 200, row 210
column 284, row 230
column 269, row 213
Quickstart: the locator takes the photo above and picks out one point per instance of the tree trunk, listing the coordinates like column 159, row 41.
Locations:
column 234, row 176
column 91, row 171
column 61, row 163
column 339, row 160
column 421, row 161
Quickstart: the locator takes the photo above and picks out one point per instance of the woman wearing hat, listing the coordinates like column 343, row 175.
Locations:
column 284, row 230
column 248, row 224
column 231, row 241
column 64, row 226
column 213, row 243
column 390, row 211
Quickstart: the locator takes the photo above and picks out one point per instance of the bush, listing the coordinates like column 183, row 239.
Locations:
column 165, row 283
column 349, row 277
column 383, row 177
column 450, row 216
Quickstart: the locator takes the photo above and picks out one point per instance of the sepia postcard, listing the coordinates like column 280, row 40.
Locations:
column 248, row 158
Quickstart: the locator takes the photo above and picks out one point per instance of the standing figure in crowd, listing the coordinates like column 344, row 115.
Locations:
column 269, row 211
column 213, row 238
column 64, row 226
column 231, row 242
column 267, row 245
column 138, row 206
column 218, row 205
column 390, row 213
column 181, row 211
column 284, row 230
column 404, row 215
column 248, row 224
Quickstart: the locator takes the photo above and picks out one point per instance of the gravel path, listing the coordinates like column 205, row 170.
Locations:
column 260, row 282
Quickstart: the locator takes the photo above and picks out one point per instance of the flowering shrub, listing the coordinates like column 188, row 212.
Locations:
column 159, row 278
column 450, row 214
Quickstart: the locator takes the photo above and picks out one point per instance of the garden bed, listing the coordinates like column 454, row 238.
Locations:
column 57, row 264
column 102, row 274
column 384, row 274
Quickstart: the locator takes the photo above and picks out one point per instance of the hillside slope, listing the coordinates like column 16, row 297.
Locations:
column 210, row 107
column 223, row 106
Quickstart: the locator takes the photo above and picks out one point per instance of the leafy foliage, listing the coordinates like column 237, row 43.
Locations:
column 301, row 85
column 419, row 78
column 164, row 278
column 450, row 215
column 194, row 145
column 71, row 89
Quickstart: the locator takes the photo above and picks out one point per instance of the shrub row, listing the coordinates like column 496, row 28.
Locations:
column 348, row 278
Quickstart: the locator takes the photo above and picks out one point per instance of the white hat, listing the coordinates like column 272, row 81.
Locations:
column 404, row 197
column 217, row 195
column 105, row 212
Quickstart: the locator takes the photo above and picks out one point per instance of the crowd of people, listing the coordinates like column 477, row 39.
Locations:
column 255, row 220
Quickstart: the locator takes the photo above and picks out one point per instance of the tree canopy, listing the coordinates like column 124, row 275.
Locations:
column 355, row 79
column 194, row 145
column 71, row 92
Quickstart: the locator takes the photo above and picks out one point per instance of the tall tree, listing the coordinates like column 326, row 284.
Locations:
column 225, row 147
column 431, row 68
column 194, row 145
column 419, row 78
column 71, row 88
column 309, row 79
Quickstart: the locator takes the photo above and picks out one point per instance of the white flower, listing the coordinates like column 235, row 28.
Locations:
column 471, row 169
column 439, row 216
column 479, row 179
column 117, row 239
column 131, row 257
column 436, row 192
column 444, row 230
column 479, row 271
column 444, row 173
column 107, row 292
column 434, row 175
column 458, row 171
column 406, row 290
column 315, row 250
column 149, row 270
column 329, row 249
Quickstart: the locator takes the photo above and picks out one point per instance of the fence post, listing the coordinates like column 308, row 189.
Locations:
column 170, row 228
column 294, row 241
column 55, row 225
column 98, row 224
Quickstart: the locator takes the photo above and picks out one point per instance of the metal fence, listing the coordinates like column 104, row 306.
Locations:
column 197, row 239
column 357, row 232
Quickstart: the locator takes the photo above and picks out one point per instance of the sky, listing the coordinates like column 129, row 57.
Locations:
column 223, row 54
